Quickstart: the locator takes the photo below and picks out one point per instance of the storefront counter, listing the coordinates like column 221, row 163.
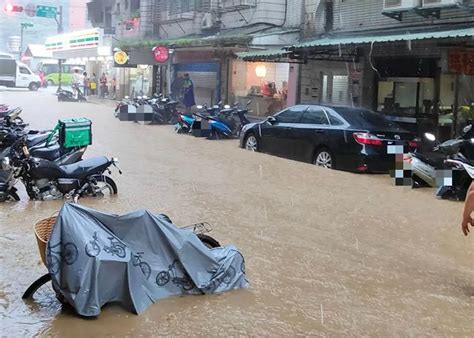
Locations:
column 261, row 105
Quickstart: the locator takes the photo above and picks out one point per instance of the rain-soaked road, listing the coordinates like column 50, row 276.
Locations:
column 327, row 253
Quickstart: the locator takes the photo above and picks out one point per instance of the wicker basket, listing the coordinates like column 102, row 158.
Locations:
column 43, row 229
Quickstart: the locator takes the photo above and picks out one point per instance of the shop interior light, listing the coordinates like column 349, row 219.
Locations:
column 261, row 71
column 143, row 67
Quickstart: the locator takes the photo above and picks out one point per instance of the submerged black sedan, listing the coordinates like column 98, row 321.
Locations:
column 353, row 139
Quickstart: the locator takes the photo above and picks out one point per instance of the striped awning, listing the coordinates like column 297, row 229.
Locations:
column 263, row 55
column 366, row 39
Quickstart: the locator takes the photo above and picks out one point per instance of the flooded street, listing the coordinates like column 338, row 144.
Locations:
column 327, row 252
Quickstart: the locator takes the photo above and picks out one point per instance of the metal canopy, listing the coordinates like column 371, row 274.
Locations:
column 364, row 39
column 268, row 55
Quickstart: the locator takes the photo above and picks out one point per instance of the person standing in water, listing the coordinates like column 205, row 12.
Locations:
column 188, row 93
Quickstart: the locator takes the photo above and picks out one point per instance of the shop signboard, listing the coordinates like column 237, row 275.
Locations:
column 161, row 54
column 461, row 61
column 120, row 57
column 89, row 38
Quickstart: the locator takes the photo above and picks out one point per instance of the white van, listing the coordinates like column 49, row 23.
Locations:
column 17, row 75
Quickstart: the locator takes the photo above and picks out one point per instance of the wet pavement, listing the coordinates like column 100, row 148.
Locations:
column 327, row 252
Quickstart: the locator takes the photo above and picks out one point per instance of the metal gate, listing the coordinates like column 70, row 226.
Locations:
column 206, row 79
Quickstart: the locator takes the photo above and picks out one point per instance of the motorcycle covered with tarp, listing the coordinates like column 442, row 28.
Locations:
column 95, row 258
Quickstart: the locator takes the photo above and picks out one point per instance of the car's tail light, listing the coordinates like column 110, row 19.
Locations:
column 363, row 167
column 367, row 138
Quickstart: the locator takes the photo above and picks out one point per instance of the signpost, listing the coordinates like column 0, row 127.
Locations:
column 41, row 11
column 46, row 11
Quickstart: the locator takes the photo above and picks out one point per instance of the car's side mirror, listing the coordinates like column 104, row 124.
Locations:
column 271, row 119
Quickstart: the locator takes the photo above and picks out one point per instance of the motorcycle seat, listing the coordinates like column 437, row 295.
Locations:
column 85, row 168
column 50, row 153
column 36, row 139
column 434, row 159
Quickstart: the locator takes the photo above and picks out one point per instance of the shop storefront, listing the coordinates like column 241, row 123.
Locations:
column 87, row 47
column 141, row 72
column 264, row 83
column 414, row 79
column 267, row 78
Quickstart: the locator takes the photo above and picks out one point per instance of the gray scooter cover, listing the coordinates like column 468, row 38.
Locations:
column 96, row 258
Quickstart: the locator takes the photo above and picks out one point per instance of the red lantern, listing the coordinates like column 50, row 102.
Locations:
column 161, row 54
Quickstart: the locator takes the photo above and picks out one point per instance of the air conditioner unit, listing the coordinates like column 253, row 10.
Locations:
column 400, row 5
column 441, row 3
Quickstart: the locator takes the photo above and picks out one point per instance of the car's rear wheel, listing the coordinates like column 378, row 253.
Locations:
column 251, row 142
column 324, row 158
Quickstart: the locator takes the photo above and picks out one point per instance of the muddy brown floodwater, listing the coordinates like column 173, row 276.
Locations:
column 327, row 252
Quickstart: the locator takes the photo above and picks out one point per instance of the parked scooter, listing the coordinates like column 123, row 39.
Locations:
column 429, row 169
column 68, row 96
column 45, row 180
column 8, row 192
column 466, row 176
column 229, row 122
column 186, row 121
column 164, row 110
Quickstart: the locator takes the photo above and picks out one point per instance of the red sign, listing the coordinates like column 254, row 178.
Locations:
column 161, row 54
column 461, row 62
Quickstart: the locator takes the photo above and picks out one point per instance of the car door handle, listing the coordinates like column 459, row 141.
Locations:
column 317, row 131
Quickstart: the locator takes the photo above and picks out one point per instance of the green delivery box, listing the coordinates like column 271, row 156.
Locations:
column 75, row 132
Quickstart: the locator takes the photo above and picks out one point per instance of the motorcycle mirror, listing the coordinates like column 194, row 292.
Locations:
column 467, row 128
column 249, row 102
column 226, row 106
column 430, row 137
column 219, row 103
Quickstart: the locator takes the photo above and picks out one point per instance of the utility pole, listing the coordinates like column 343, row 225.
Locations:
column 59, row 21
column 23, row 25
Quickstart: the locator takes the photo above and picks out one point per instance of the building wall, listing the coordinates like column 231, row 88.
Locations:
column 78, row 15
column 362, row 15
column 282, row 13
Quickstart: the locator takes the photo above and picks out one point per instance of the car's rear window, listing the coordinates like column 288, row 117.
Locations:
column 363, row 118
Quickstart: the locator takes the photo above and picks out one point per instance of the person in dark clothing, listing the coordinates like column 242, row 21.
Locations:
column 188, row 93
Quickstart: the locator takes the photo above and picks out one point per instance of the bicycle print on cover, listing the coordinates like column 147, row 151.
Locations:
column 137, row 257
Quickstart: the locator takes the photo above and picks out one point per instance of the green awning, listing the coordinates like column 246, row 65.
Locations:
column 363, row 39
column 262, row 55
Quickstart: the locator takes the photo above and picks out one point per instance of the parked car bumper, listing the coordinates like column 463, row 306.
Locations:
column 375, row 163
